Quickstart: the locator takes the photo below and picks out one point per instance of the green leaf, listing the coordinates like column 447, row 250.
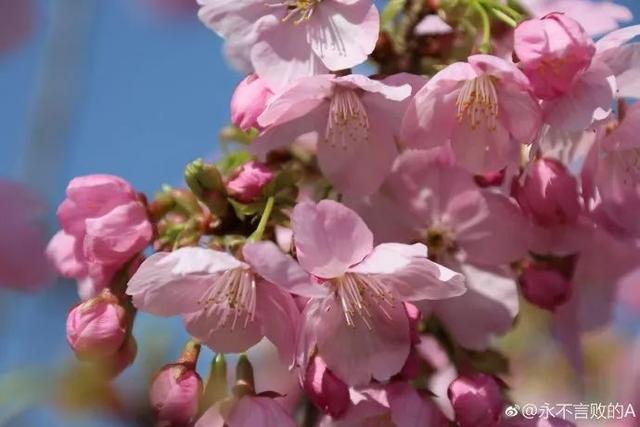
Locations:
column 390, row 11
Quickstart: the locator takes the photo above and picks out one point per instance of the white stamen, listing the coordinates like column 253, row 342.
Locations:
column 348, row 120
column 235, row 292
column 360, row 295
column 303, row 8
column 478, row 100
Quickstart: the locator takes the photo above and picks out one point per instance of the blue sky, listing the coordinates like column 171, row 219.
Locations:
column 151, row 95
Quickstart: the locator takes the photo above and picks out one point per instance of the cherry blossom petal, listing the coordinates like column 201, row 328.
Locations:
column 255, row 411
column 329, row 237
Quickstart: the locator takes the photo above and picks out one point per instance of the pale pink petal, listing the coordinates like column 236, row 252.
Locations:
column 329, row 237
column 378, row 352
column 432, row 25
column 211, row 418
column 506, row 72
column 266, row 259
column 255, row 411
column 343, row 37
column 617, row 38
column 117, row 235
column 393, row 88
column 482, row 150
column 167, row 284
column 280, row 318
column 217, row 327
column 297, row 100
column 410, row 409
column 282, row 54
column 590, row 99
column 488, row 308
column 66, row 255
column 360, row 166
column 519, row 113
column 624, row 62
column 435, row 104
column 409, row 273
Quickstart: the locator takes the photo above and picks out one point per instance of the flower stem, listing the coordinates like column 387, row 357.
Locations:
column 264, row 219
column 485, row 45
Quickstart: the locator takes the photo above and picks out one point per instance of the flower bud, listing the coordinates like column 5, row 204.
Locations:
column 97, row 328
column 249, row 101
column 545, row 287
column 176, row 390
column 205, row 181
column 123, row 358
column 248, row 182
column 549, row 194
column 476, row 400
column 326, row 390
column 553, row 52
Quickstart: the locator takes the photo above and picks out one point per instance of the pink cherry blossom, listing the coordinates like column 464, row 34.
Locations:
column 483, row 108
column 249, row 101
column 324, row 389
column 23, row 264
column 97, row 327
column 597, row 17
column 224, row 303
column 465, row 228
column 545, row 287
column 358, row 290
column 286, row 39
column 175, row 394
column 104, row 225
column 247, row 183
column 476, row 400
column 613, row 71
column 352, row 119
column 553, row 51
column 248, row 411
column 17, row 20
column 393, row 405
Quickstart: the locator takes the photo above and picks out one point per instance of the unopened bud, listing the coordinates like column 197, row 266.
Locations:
column 97, row 327
column 545, row 287
column 207, row 184
column 249, row 101
column 248, row 182
column 476, row 400
column 245, row 383
column 324, row 389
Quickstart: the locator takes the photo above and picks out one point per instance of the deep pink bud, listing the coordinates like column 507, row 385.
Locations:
column 248, row 182
column 476, row 400
column 553, row 52
column 549, row 193
column 545, row 287
column 326, row 390
column 97, row 328
column 490, row 179
column 123, row 358
column 177, row 388
column 249, row 101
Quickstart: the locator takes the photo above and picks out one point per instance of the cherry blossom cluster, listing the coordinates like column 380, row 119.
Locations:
column 380, row 231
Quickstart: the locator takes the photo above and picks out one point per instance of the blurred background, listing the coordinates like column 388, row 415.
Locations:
column 135, row 88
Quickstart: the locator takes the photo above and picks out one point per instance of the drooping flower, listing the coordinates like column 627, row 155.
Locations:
column 591, row 77
column 476, row 400
column 223, row 301
column 247, row 183
column 466, row 229
column 355, row 318
column 483, row 108
column 353, row 120
column 249, row 101
column 282, row 40
column 23, row 264
column 597, row 17
column 104, row 226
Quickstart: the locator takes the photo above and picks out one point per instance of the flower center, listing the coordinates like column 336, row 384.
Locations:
column 440, row 243
column 360, row 295
column 234, row 291
column 301, row 10
column 478, row 100
column 348, row 119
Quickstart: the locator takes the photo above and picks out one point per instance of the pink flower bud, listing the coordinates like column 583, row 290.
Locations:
column 549, row 194
column 175, row 393
column 476, row 400
column 544, row 287
column 553, row 53
column 249, row 101
column 123, row 358
column 248, row 181
column 326, row 390
column 97, row 328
